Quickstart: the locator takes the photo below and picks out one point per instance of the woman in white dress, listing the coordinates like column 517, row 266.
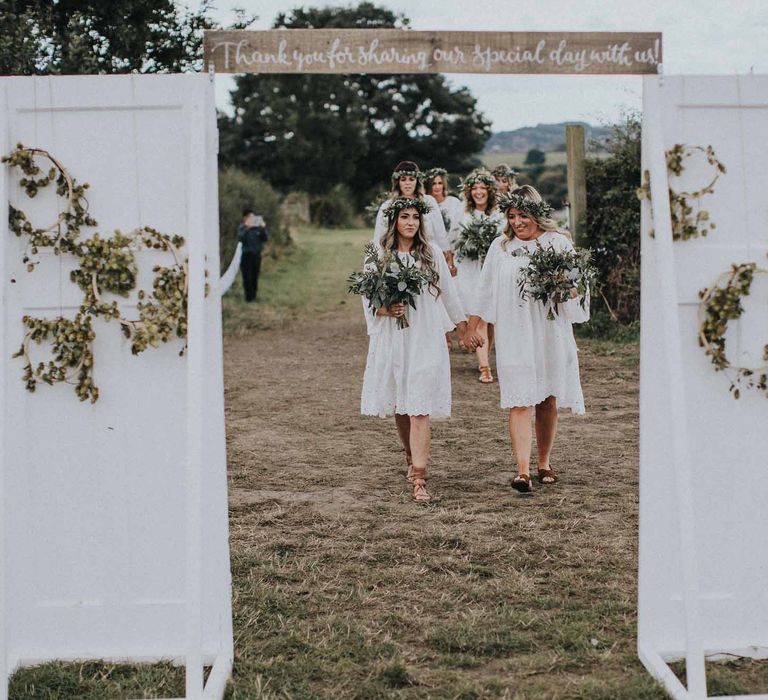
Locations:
column 506, row 178
column 408, row 372
column 451, row 209
column 480, row 204
column 536, row 358
column 407, row 181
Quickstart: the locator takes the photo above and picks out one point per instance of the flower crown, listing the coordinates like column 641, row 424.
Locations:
column 392, row 210
column 432, row 173
column 504, row 171
column 480, row 177
column 402, row 173
column 541, row 210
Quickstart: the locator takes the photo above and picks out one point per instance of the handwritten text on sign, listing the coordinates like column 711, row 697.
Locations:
column 405, row 51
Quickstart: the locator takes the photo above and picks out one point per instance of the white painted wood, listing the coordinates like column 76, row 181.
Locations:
column 674, row 386
column 703, row 541
column 116, row 513
column 4, row 232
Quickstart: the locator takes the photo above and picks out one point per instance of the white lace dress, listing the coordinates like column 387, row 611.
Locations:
column 452, row 210
column 433, row 224
column 408, row 370
column 535, row 357
column 468, row 271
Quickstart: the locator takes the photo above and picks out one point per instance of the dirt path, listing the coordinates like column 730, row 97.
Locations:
column 345, row 588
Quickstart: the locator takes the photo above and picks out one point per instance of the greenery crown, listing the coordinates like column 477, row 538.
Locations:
column 504, row 171
column 541, row 210
column 482, row 177
column 432, row 173
column 399, row 203
column 403, row 173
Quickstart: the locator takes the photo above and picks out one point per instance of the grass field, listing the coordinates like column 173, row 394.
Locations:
column 345, row 589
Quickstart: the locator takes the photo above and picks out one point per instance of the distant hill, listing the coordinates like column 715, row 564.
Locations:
column 545, row 137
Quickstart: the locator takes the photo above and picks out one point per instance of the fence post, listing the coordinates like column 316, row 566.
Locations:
column 577, row 182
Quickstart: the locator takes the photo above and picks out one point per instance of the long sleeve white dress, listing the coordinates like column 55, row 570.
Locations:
column 452, row 210
column 535, row 357
column 433, row 224
column 468, row 271
column 408, row 370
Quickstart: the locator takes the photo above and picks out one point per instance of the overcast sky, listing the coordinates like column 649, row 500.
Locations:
column 700, row 37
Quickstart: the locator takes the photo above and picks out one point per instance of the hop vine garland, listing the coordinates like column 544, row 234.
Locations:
column 685, row 223
column 107, row 265
column 720, row 304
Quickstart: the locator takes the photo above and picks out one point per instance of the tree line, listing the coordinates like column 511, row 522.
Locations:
column 335, row 137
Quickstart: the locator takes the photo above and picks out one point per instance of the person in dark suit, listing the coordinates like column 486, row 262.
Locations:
column 252, row 233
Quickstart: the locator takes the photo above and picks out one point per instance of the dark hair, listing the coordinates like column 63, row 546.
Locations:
column 406, row 165
column 248, row 211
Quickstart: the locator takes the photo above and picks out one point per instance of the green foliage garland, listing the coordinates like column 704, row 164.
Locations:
column 720, row 304
column 62, row 234
column 107, row 265
column 686, row 224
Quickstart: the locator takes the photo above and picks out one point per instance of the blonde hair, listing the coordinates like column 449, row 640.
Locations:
column 545, row 223
column 505, row 172
column 421, row 250
column 479, row 177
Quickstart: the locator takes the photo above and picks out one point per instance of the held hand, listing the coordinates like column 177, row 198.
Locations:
column 473, row 341
column 562, row 297
column 461, row 333
column 396, row 310
column 451, row 264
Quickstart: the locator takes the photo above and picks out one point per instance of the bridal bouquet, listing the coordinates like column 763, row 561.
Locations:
column 389, row 280
column 552, row 274
column 475, row 238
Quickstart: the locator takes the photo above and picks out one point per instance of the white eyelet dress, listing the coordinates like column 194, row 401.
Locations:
column 408, row 370
column 468, row 271
column 535, row 357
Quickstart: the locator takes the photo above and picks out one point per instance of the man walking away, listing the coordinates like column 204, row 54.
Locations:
column 252, row 233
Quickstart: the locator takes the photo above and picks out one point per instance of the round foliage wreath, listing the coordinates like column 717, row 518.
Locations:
column 720, row 304
column 686, row 224
column 107, row 265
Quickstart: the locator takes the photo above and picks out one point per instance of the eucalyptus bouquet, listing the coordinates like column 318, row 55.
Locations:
column 475, row 238
column 389, row 280
column 551, row 275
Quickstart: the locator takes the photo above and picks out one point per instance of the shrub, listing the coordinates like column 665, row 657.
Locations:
column 613, row 219
column 334, row 209
column 237, row 191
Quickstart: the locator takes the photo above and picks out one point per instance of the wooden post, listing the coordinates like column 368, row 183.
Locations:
column 577, row 182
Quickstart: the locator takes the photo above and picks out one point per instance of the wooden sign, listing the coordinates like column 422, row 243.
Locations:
column 406, row 51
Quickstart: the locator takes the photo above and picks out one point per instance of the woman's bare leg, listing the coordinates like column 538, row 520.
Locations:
column 546, row 429
column 420, row 439
column 521, row 435
column 403, row 423
column 482, row 351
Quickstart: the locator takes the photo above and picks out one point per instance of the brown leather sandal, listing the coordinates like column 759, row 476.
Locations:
column 409, row 473
column 522, row 483
column 419, row 482
column 546, row 474
column 485, row 375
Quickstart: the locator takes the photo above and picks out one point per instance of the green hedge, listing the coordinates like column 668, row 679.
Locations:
column 237, row 191
column 334, row 209
column 613, row 219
